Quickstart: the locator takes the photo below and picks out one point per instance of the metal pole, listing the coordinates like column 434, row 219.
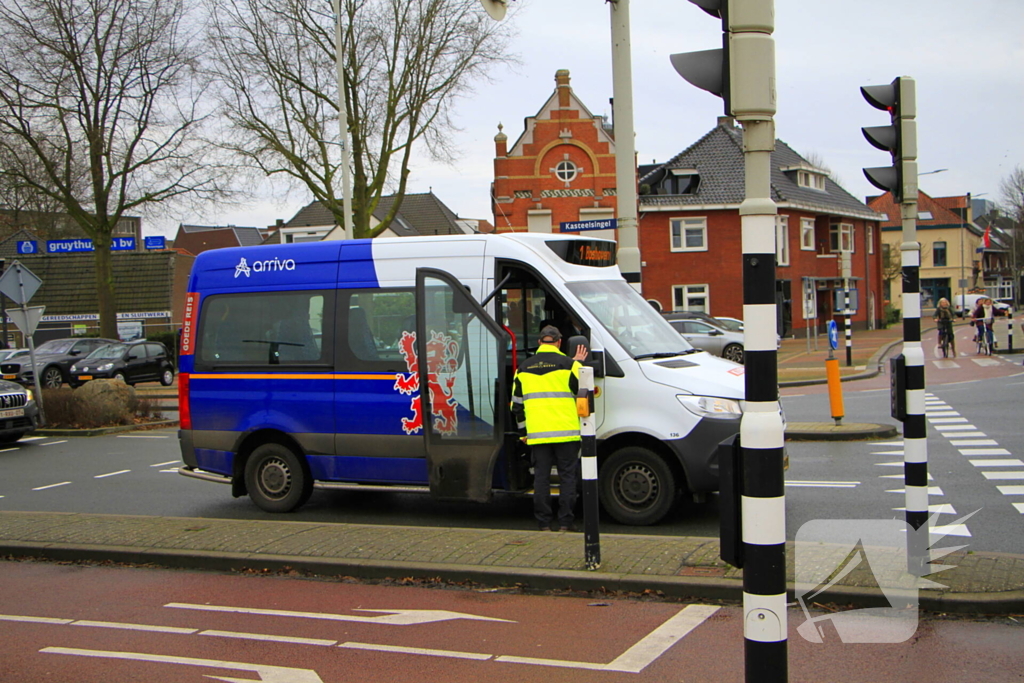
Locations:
column 625, row 146
column 31, row 349
column 846, row 307
column 588, row 451
column 761, row 430
column 346, row 159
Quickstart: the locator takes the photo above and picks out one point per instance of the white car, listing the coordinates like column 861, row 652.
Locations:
column 970, row 302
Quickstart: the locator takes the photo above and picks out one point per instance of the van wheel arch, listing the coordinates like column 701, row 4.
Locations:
column 653, row 460
column 250, row 442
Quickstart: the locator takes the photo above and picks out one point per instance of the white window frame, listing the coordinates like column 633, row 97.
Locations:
column 684, row 225
column 845, row 234
column 684, row 293
column 807, row 234
column 782, row 240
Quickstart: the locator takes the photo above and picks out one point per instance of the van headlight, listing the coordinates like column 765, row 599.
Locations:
column 710, row 406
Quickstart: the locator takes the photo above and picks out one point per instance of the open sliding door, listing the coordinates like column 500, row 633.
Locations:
column 467, row 398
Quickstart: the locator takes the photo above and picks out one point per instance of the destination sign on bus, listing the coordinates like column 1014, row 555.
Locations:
column 596, row 253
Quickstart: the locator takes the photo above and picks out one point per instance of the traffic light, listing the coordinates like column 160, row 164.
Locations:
column 899, row 138
column 742, row 72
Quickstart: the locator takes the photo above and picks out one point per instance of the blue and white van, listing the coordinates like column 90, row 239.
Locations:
column 305, row 366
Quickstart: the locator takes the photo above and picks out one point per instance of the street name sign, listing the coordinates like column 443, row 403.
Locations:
column 597, row 224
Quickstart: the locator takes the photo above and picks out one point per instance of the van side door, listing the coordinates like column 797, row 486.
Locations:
column 460, row 353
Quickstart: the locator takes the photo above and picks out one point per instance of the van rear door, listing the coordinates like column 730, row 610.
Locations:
column 466, row 392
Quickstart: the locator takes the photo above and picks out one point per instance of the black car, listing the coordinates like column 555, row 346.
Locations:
column 19, row 413
column 53, row 361
column 132, row 362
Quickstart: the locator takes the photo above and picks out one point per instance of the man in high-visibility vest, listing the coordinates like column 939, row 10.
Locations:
column 544, row 403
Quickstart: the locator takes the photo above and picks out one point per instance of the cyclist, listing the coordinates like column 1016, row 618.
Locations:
column 984, row 318
column 944, row 321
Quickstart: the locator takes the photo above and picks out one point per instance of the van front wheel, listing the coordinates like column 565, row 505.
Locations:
column 276, row 480
column 637, row 486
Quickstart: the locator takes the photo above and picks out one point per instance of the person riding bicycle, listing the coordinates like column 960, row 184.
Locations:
column 984, row 318
column 944, row 321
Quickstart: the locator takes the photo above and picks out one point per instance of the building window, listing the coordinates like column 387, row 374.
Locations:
column 815, row 181
column 689, row 234
column 938, row 254
column 566, row 171
column 807, row 234
column 840, row 237
column 871, row 239
column 782, row 240
column 690, row 298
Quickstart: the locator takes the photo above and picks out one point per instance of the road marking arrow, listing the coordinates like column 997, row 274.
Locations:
column 389, row 617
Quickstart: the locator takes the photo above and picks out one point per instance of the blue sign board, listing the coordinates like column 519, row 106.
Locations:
column 84, row 244
column 833, row 335
column 156, row 242
column 28, row 247
column 580, row 226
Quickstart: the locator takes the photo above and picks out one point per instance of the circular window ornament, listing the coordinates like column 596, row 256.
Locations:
column 566, row 171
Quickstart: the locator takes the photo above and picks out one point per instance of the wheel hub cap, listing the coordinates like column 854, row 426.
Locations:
column 275, row 478
column 637, row 484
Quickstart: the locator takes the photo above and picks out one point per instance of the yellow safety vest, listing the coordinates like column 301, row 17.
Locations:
column 544, row 397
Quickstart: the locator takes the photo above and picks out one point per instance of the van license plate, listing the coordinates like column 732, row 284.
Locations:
column 16, row 412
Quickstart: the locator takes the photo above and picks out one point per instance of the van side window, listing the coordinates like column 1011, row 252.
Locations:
column 265, row 328
column 374, row 322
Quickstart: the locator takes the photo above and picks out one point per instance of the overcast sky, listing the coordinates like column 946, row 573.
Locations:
column 966, row 56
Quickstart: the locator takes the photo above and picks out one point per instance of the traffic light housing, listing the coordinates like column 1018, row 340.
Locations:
column 742, row 72
column 899, row 138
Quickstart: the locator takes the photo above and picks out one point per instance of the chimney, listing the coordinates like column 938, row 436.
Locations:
column 726, row 122
column 500, row 143
column 562, row 86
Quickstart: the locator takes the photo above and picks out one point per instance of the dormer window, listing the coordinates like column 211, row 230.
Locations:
column 683, row 181
column 815, row 181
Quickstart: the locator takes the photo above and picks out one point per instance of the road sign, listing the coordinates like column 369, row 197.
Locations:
column 28, row 247
column 833, row 334
column 19, row 283
column 156, row 242
column 26, row 319
column 597, row 224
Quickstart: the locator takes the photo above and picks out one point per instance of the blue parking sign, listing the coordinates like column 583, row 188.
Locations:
column 156, row 242
column 28, row 247
column 833, row 334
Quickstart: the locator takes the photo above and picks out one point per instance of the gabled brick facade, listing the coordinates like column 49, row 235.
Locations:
column 562, row 168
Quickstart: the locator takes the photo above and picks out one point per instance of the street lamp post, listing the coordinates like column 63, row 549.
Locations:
column 346, row 180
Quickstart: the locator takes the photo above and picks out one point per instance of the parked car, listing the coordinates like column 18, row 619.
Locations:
column 971, row 301
column 703, row 335
column 134, row 362
column 19, row 413
column 53, row 361
column 730, row 324
column 10, row 354
column 690, row 315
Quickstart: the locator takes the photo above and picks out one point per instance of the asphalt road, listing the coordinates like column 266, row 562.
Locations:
column 65, row 622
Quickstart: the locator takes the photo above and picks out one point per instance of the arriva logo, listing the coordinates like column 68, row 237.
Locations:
column 243, row 268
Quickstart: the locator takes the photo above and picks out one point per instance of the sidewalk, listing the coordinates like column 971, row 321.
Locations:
column 979, row 583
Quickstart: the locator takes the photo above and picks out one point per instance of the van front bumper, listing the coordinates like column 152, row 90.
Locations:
column 698, row 451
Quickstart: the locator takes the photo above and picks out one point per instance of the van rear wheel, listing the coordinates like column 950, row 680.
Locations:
column 637, row 486
column 276, row 479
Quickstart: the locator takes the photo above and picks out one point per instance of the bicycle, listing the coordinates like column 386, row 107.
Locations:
column 984, row 346
column 946, row 342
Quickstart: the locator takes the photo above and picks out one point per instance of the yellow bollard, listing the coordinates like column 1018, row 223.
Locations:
column 835, row 390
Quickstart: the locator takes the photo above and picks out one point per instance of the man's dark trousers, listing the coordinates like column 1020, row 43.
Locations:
column 565, row 457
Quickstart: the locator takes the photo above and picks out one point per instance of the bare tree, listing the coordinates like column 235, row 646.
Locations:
column 816, row 160
column 406, row 62
column 1011, row 189
column 107, row 87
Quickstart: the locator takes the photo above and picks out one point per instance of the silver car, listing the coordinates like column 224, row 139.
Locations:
column 714, row 340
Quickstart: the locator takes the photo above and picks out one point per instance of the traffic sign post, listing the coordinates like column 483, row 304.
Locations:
column 20, row 284
column 833, row 337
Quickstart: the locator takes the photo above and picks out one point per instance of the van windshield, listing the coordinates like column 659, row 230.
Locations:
column 632, row 321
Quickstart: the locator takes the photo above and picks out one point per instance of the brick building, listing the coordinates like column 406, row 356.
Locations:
column 562, row 168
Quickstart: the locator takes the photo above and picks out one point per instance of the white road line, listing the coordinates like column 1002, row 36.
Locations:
column 111, row 474
column 32, row 438
column 951, row 530
column 388, row 617
column 823, row 484
column 940, row 413
column 416, row 651
column 1003, row 475
column 998, row 463
column 143, row 436
column 164, row 464
column 53, row 443
column 7, row 450
column 174, row 470
column 51, row 486
column 986, row 362
column 947, row 420
column 1011, row 490
column 900, row 476
column 932, row 491
column 1020, row 507
column 890, row 464
column 976, row 442
column 275, row 639
column 134, row 627
column 888, row 443
column 943, row 428
column 984, row 451
column 34, row 620
column 938, row 508
column 887, row 453
column 964, row 435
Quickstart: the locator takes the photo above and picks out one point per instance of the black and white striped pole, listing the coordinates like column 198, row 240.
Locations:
column 588, row 452
column 743, row 74
column 847, row 314
column 900, row 138
column 1009, row 331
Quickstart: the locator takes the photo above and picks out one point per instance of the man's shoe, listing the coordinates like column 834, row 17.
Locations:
column 544, row 527
column 567, row 527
